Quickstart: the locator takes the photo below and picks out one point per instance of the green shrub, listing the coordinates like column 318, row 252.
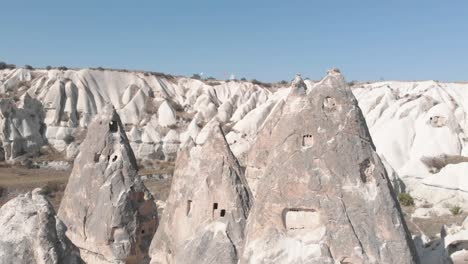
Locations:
column 405, row 199
column 455, row 210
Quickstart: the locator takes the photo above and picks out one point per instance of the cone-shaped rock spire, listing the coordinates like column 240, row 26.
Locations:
column 110, row 214
column 323, row 195
column 208, row 205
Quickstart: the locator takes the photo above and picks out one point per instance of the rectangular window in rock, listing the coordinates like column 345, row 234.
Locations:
column 295, row 218
column 215, row 207
column 222, row 213
column 307, row 140
column 189, row 206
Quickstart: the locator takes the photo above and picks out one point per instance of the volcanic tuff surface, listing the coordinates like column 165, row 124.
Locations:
column 313, row 205
column 110, row 214
column 411, row 123
column 31, row 233
column 419, row 128
column 207, row 209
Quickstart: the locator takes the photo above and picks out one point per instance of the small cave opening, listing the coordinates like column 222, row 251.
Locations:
column 307, row 140
column 189, row 207
column 329, row 104
column 114, row 158
column 300, row 218
column 366, row 171
column 437, row 121
column 215, row 207
column 96, row 157
column 222, row 213
column 113, row 127
column 142, row 231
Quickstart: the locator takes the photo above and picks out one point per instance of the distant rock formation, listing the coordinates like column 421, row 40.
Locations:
column 208, row 205
column 30, row 233
column 110, row 214
column 323, row 195
column 435, row 164
column 21, row 126
column 408, row 121
column 450, row 248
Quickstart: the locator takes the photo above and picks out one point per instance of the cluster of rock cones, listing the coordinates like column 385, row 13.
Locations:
column 313, row 191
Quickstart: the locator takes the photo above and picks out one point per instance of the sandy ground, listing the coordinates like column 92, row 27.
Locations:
column 15, row 180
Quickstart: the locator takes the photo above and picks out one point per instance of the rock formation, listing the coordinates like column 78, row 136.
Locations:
column 30, row 233
column 450, row 248
column 21, row 126
column 110, row 214
column 408, row 121
column 324, row 195
column 208, row 205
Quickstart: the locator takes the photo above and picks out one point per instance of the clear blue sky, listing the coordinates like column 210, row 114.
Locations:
column 268, row 40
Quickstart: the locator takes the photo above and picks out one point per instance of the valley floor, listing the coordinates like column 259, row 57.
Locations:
column 15, row 180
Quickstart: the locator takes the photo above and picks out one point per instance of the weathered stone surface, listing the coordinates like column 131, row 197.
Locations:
column 30, row 233
column 206, row 212
column 110, row 214
column 166, row 115
column 21, row 126
column 323, row 195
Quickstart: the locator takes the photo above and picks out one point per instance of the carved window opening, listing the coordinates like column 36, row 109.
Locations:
column 307, row 140
column 437, row 121
column 366, row 171
column 222, row 213
column 113, row 127
column 300, row 218
column 329, row 104
column 96, row 157
column 189, row 206
column 215, row 207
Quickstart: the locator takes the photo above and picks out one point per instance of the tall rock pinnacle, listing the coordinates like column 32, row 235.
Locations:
column 110, row 214
column 322, row 193
column 208, row 205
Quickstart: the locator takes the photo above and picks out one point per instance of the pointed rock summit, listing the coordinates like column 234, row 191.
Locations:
column 30, row 233
column 208, row 205
column 322, row 193
column 298, row 86
column 110, row 214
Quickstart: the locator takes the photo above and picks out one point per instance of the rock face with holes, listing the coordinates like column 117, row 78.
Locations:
column 207, row 209
column 323, row 195
column 110, row 214
column 30, row 233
